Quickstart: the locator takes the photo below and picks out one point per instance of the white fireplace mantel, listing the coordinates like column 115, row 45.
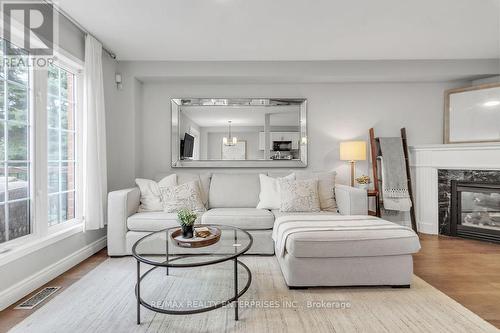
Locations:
column 426, row 160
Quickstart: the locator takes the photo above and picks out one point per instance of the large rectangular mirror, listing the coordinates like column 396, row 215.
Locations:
column 239, row 132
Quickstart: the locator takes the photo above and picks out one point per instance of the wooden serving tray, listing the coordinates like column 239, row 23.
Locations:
column 196, row 241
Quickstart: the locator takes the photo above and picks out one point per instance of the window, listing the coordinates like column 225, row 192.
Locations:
column 39, row 148
column 15, row 159
column 61, row 145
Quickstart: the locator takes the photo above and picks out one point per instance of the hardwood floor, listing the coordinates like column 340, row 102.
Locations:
column 10, row 317
column 467, row 271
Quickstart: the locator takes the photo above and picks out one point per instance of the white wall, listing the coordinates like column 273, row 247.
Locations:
column 336, row 112
column 395, row 93
column 122, row 124
column 488, row 80
column 186, row 124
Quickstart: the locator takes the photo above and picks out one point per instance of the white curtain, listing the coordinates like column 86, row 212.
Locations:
column 94, row 138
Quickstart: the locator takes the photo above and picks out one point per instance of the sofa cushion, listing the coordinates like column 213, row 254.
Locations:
column 153, row 221
column 234, row 190
column 352, row 243
column 185, row 177
column 244, row 218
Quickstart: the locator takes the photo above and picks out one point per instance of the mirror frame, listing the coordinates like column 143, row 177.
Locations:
column 448, row 93
column 176, row 162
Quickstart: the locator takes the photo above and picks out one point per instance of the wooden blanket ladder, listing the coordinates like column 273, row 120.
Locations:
column 376, row 152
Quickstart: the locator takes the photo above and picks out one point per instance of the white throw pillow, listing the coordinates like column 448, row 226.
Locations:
column 326, row 187
column 299, row 195
column 203, row 178
column 150, row 192
column 270, row 197
column 186, row 195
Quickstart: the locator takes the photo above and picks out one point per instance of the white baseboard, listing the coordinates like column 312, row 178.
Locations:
column 427, row 228
column 19, row 290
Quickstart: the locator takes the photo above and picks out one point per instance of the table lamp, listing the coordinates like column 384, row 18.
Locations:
column 353, row 151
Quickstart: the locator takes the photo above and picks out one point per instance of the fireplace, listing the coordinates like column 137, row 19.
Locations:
column 461, row 187
column 475, row 210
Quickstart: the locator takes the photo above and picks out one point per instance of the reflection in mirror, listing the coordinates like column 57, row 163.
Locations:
column 239, row 132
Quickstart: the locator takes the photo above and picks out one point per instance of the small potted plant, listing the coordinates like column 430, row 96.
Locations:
column 186, row 220
column 363, row 182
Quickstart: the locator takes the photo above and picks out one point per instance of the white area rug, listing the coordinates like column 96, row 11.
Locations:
column 104, row 301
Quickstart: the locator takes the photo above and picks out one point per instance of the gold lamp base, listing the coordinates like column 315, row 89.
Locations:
column 353, row 171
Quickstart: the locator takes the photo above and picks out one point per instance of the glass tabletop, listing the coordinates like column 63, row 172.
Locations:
column 159, row 249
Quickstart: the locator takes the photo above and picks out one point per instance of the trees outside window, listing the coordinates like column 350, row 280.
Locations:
column 15, row 159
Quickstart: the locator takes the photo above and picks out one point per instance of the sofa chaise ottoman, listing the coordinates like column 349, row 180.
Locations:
column 334, row 250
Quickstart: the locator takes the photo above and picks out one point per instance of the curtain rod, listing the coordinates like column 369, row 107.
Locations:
column 79, row 26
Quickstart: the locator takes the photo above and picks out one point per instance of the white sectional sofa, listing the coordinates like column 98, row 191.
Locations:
column 323, row 259
column 232, row 199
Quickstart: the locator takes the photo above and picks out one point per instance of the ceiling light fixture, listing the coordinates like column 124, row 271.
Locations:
column 229, row 140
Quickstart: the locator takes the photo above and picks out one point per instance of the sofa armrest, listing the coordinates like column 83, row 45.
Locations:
column 121, row 204
column 351, row 200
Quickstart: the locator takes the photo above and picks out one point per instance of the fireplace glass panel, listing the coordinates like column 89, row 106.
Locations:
column 480, row 209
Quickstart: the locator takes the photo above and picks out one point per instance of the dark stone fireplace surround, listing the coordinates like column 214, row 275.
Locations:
column 445, row 177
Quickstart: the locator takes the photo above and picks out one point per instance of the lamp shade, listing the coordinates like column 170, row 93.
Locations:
column 353, row 151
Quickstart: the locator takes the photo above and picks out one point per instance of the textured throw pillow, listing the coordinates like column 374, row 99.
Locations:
column 203, row 178
column 150, row 192
column 326, row 187
column 299, row 195
column 270, row 197
column 186, row 195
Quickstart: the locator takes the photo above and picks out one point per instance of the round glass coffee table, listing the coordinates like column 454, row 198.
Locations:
column 191, row 280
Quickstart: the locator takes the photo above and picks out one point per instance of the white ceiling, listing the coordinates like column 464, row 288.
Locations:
column 242, row 116
column 292, row 29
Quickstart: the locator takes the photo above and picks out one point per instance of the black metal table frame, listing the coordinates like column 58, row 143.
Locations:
column 168, row 263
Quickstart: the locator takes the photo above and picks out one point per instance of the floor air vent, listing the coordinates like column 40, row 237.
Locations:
column 38, row 298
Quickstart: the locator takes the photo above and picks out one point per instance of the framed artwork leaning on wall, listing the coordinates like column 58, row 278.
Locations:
column 472, row 114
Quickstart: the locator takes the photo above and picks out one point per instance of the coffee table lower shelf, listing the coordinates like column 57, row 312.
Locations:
column 233, row 243
column 237, row 294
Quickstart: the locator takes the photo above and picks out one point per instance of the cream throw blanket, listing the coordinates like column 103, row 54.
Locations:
column 400, row 203
column 395, row 195
column 287, row 225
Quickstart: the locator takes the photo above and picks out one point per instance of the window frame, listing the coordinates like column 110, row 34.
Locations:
column 41, row 233
column 75, row 68
column 77, row 153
